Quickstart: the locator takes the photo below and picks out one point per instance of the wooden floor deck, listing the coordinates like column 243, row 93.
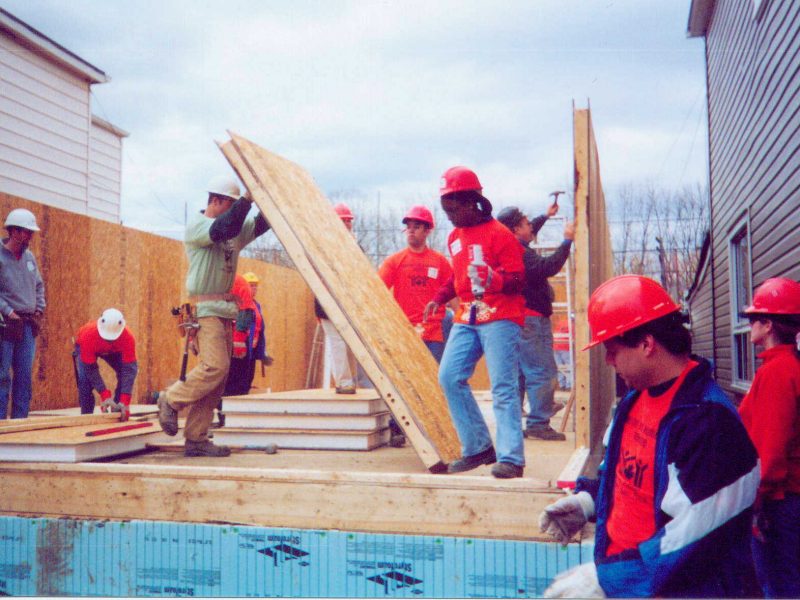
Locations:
column 385, row 490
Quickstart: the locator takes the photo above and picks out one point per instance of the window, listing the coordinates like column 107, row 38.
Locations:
column 742, row 351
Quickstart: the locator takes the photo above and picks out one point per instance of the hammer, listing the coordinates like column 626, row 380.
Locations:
column 555, row 196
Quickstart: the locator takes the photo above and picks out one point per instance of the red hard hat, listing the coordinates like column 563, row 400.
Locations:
column 776, row 296
column 343, row 211
column 623, row 303
column 459, row 179
column 419, row 213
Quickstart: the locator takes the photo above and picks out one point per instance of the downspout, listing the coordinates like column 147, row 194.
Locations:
column 711, row 213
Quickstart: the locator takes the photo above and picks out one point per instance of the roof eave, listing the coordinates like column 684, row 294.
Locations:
column 699, row 17
column 44, row 45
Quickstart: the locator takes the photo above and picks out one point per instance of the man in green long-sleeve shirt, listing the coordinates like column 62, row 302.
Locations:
column 214, row 238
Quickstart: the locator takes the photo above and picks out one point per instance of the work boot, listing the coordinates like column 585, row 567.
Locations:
column 506, row 470
column 205, row 448
column 467, row 463
column 543, row 432
column 167, row 416
column 346, row 389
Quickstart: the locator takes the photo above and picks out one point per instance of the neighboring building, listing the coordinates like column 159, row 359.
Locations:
column 753, row 86
column 52, row 149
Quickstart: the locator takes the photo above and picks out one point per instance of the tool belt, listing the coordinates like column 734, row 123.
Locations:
column 214, row 298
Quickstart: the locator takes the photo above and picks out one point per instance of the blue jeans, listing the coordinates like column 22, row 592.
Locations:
column 17, row 357
column 85, row 394
column 436, row 349
column 499, row 341
column 777, row 559
column 539, row 369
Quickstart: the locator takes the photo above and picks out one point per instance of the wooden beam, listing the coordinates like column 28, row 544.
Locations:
column 353, row 296
column 36, row 423
column 469, row 506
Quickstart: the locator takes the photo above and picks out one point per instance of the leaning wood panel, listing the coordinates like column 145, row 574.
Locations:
column 594, row 380
column 467, row 506
column 353, row 296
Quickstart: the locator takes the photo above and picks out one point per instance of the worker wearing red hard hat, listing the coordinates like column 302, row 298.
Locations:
column 771, row 413
column 343, row 377
column 415, row 274
column 108, row 338
column 487, row 278
column 673, row 500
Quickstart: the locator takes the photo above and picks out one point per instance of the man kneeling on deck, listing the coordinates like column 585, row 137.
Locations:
column 107, row 338
column 674, row 494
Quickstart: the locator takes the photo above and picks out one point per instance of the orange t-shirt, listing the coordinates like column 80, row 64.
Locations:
column 632, row 519
column 503, row 253
column 414, row 278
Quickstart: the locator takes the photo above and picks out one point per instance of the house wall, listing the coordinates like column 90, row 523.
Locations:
column 753, row 70
column 50, row 152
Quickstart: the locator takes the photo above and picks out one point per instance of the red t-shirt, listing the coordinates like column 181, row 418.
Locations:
column 92, row 345
column 503, row 253
column 632, row 519
column 414, row 278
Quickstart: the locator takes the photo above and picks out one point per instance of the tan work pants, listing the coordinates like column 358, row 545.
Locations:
column 205, row 383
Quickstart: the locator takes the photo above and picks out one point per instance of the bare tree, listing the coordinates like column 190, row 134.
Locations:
column 659, row 233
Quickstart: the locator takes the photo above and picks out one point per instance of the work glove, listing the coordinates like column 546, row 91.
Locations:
column 563, row 519
column 578, row 582
column 109, row 405
column 267, row 361
column 484, row 279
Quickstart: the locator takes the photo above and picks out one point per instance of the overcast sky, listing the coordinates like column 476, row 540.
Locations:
column 382, row 97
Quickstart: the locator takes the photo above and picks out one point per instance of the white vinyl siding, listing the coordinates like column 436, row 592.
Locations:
column 105, row 177
column 51, row 150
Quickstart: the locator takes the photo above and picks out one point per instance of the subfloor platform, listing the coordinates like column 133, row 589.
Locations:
column 386, row 490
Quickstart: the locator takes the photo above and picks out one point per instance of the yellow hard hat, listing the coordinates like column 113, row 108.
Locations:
column 251, row 277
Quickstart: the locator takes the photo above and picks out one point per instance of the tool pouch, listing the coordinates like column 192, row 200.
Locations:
column 13, row 330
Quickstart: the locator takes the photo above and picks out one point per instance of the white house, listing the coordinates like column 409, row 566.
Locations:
column 52, row 149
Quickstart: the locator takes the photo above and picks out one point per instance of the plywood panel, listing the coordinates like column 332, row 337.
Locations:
column 353, row 296
column 594, row 380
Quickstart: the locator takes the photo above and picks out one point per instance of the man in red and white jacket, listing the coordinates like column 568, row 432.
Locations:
column 488, row 277
column 107, row 338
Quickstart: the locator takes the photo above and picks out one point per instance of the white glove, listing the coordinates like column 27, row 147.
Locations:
column 578, row 582
column 563, row 519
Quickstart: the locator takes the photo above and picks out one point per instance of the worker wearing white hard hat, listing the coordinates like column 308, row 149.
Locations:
column 108, row 338
column 22, row 304
column 214, row 238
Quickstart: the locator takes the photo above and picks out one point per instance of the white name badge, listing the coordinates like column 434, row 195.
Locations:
column 455, row 247
column 433, row 272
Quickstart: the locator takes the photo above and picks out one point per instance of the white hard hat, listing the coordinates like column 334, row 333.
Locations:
column 224, row 186
column 111, row 324
column 22, row 218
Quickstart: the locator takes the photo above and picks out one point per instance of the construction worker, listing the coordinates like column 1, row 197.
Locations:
column 537, row 363
column 237, row 383
column 257, row 339
column 343, row 378
column 771, row 414
column 674, row 492
column 415, row 274
column 107, row 338
column 213, row 240
column 488, row 276
column 22, row 306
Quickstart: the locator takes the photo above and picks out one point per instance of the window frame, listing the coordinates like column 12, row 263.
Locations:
column 741, row 282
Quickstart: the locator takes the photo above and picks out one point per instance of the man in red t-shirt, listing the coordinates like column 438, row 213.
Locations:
column 488, row 276
column 107, row 338
column 415, row 274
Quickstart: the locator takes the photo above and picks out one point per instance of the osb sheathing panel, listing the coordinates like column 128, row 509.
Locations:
column 89, row 265
column 353, row 296
column 594, row 379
